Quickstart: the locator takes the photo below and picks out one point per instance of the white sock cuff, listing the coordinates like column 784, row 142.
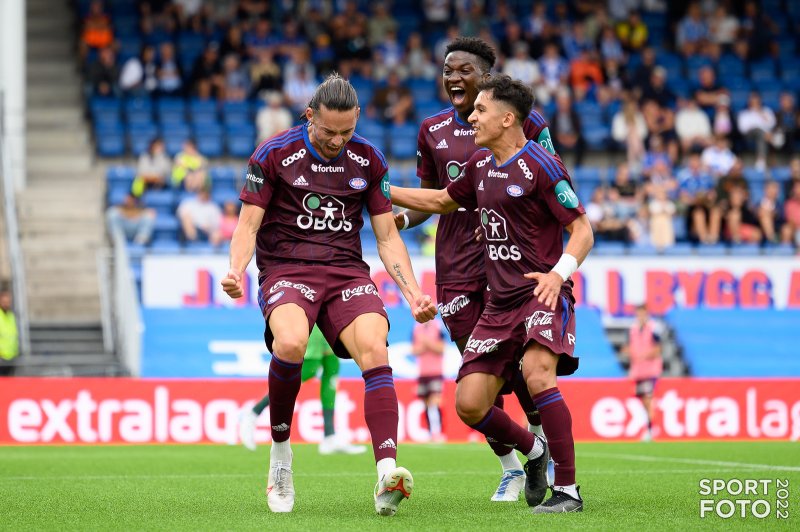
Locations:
column 510, row 461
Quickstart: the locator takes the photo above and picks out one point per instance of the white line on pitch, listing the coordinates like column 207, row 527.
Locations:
column 691, row 461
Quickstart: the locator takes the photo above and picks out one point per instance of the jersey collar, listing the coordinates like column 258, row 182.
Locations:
column 314, row 153
column 512, row 158
column 459, row 121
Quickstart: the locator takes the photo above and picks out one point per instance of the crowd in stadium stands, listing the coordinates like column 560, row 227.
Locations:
column 684, row 92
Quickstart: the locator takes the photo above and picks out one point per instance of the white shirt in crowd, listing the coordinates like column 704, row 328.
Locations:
column 718, row 160
column 752, row 119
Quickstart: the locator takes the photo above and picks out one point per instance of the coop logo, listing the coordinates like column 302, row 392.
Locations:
column 464, row 132
column 326, row 169
column 527, row 171
column 307, row 292
column 449, row 309
column 294, row 157
column 325, row 213
column 440, row 125
column 482, row 346
column 455, row 170
column 494, row 230
column 483, row 162
column 357, row 158
column 540, row 317
column 498, row 175
column 362, row 290
column 744, row 498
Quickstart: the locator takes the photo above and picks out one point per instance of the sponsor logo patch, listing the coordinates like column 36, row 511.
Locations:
column 547, row 333
column 454, row 170
column 442, row 145
column 357, row 158
column 364, row 289
column 440, row 125
column 296, row 156
column 482, row 346
column 565, row 195
column 527, row 171
column 449, row 309
column 497, row 174
column 387, row 193
column 300, row 182
column 274, row 297
column 254, row 180
column 540, row 317
column 307, row 292
column 324, row 213
column 323, row 169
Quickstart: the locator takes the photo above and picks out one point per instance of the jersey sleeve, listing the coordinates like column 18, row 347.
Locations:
column 558, row 194
column 259, row 183
column 463, row 190
column 378, row 198
column 426, row 169
column 537, row 129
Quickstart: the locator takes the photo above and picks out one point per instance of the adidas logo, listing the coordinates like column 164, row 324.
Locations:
column 283, row 427
column 480, row 185
column 547, row 333
column 300, row 182
column 442, row 145
column 387, row 444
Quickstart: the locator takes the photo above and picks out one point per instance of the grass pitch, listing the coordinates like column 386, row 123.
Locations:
column 651, row 486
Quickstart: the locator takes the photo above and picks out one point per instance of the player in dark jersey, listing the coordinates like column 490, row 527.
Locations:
column 302, row 211
column 444, row 145
column 525, row 200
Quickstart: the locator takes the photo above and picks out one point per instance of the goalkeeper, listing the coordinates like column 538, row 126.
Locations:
column 319, row 356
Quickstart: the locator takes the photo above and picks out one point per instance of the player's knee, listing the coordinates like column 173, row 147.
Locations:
column 470, row 409
column 290, row 348
column 372, row 354
column 540, row 379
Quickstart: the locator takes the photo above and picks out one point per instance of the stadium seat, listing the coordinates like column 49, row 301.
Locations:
column 403, row 141
column 597, row 358
column 639, row 250
column 597, row 136
column 586, row 173
column 164, row 247
column 608, row 249
column 762, row 70
column 163, row 201
column 210, row 145
column 166, row 227
column 711, row 250
column 111, row 145
column 739, row 250
column 240, row 144
column 780, row 250
column 679, row 249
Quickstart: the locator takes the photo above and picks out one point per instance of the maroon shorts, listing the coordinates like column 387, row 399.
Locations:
column 331, row 297
column 461, row 306
column 501, row 335
column 430, row 385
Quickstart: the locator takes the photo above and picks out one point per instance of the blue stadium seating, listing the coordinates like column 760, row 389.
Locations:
column 597, row 357
column 756, row 343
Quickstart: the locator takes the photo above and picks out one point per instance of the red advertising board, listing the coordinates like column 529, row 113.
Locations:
column 107, row 410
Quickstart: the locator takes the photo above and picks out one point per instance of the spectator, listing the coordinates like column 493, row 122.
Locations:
column 428, row 346
column 660, row 123
column 643, row 350
column 190, row 168
column 692, row 32
column 235, row 80
column 170, row 77
column 629, row 129
column 265, row 74
column 323, row 55
column 585, row 74
column 230, row 217
column 392, row 103
column 261, row 37
column 418, row 59
column 787, row 123
column 628, row 194
column 654, row 156
column 380, row 24
column 555, row 71
column 759, row 30
column 233, row 43
column 632, row 32
column 610, row 47
column 139, row 74
column 734, row 178
column 153, row 169
column 574, row 41
column 9, row 334
column 566, row 126
column 723, row 124
column 741, row 223
column 723, row 27
column 130, row 217
column 606, row 223
column 522, row 67
column 200, row 217
column 299, row 90
column 274, row 117
column 770, row 212
column 708, row 92
column 692, row 126
column 97, row 32
column 661, row 210
column 639, row 227
column 207, row 66
column 791, row 213
column 757, row 123
column 697, row 194
column 104, row 74
column 642, row 76
column 794, row 177
column 656, row 89
column 437, row 14
column 718, row 157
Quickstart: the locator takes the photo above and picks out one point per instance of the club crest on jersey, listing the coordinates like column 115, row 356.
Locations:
column 455, row 170
column 325, row 213
column 358, row 183
column 514, row 190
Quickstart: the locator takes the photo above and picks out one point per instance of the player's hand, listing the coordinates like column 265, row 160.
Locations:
column 423, row 309
column 232, row 284
column 399, row 221
column 478, row 234
column 548, row 287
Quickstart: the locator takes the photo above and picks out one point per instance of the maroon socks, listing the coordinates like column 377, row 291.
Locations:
column 284, row 384
column 380, row 411
column 557, row 425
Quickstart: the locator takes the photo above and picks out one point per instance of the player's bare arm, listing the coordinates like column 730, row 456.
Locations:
column 580, row 243
column 409, row 218
column 433, row 201
column 394, row 255
column 243, row 243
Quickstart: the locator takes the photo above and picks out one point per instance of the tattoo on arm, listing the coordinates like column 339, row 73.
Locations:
column 399, row 274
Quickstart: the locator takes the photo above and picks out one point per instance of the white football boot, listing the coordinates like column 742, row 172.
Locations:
column 392, row 489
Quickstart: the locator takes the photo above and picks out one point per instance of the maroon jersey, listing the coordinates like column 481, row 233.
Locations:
column 444, row 145
column 523, row 206
column 314, row 207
